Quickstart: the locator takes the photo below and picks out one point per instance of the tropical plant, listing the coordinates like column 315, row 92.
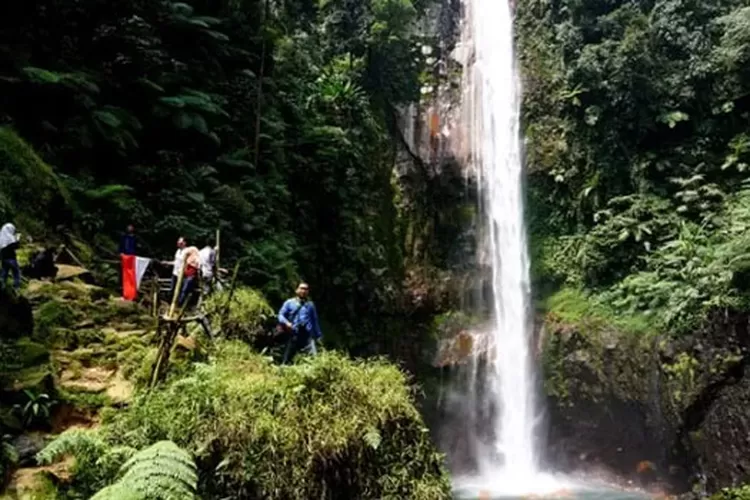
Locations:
column 37, row 409
column 162, row 471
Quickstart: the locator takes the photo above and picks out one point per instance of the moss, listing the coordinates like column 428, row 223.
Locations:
column 50, row 316
column 22, row 360
column 84, row 400
column 681, row 377
column 263, row 431
column 571, row 305
column 590, row 352
column 30, row 191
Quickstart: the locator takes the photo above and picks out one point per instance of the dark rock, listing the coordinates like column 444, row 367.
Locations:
column 16, row 318
column 27, row 446
column 677, row 403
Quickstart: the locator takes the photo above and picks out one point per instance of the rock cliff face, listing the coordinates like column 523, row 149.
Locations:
column 650, row 408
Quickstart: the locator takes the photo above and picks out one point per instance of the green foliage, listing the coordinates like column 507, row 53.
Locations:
column 247, row 315
column 269, row 122
column 31, row 191
column 305, row 431
column 160, row 472
column 574, row 307
column 50, row 316
column 96, row 462
column 37, row 408
column 740, row 493
column 635, row 115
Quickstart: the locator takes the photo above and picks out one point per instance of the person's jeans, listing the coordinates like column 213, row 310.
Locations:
column 11, row 265
column 296, row 344
column 188, row 284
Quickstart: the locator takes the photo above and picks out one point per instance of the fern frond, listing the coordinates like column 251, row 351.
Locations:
column 75, row 442
column 162, row 471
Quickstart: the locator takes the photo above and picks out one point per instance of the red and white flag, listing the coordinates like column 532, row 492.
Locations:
column 133, row 269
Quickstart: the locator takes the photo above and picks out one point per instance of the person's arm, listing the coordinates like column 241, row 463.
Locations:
column 122, row 245
column 282, row 314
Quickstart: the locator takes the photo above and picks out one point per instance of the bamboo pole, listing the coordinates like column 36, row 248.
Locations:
column 155, row 296
column 177, row 287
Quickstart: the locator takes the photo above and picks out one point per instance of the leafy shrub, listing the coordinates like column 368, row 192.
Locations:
column 327, row 428
column 96, row 462
column 248, row 314
column 697, row 271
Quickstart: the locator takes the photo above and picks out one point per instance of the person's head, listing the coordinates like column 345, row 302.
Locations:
column 181, row 242
column 131, row 228
column 303, row 289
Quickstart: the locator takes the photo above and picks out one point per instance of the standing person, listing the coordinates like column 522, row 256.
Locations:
column 299, row 317
column 127, row 241
column 177, row 263
column 192, row 268
column 208, row 265
column 8, row 246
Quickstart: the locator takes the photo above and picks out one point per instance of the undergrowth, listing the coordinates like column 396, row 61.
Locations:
column 328, row 427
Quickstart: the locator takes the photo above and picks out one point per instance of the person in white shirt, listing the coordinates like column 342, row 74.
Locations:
column 179, row 256
column 208, row 263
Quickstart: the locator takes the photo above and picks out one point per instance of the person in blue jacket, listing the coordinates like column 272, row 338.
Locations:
column 299, row 317
column 127, row 241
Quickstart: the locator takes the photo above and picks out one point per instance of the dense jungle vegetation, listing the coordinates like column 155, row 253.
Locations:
column 271, row 121
column 275, row 122
column 636, row 119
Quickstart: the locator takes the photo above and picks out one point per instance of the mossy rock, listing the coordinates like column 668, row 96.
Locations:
column 326, row 426
column 21, row 356
column 52, row 316
column 30, row 191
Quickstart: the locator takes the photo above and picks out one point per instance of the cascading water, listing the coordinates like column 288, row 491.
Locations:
column 494, row 106
column 490, row 416
column 499, row 408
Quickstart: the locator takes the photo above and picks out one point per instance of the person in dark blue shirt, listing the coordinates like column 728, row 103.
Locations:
column 299, row 318
column 127, row 242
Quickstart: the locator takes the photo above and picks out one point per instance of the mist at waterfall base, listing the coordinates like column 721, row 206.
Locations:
column 493, row 421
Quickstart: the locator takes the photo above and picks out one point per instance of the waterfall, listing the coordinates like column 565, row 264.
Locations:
column 490, row 413
column 498, row 159
column 503, row 441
